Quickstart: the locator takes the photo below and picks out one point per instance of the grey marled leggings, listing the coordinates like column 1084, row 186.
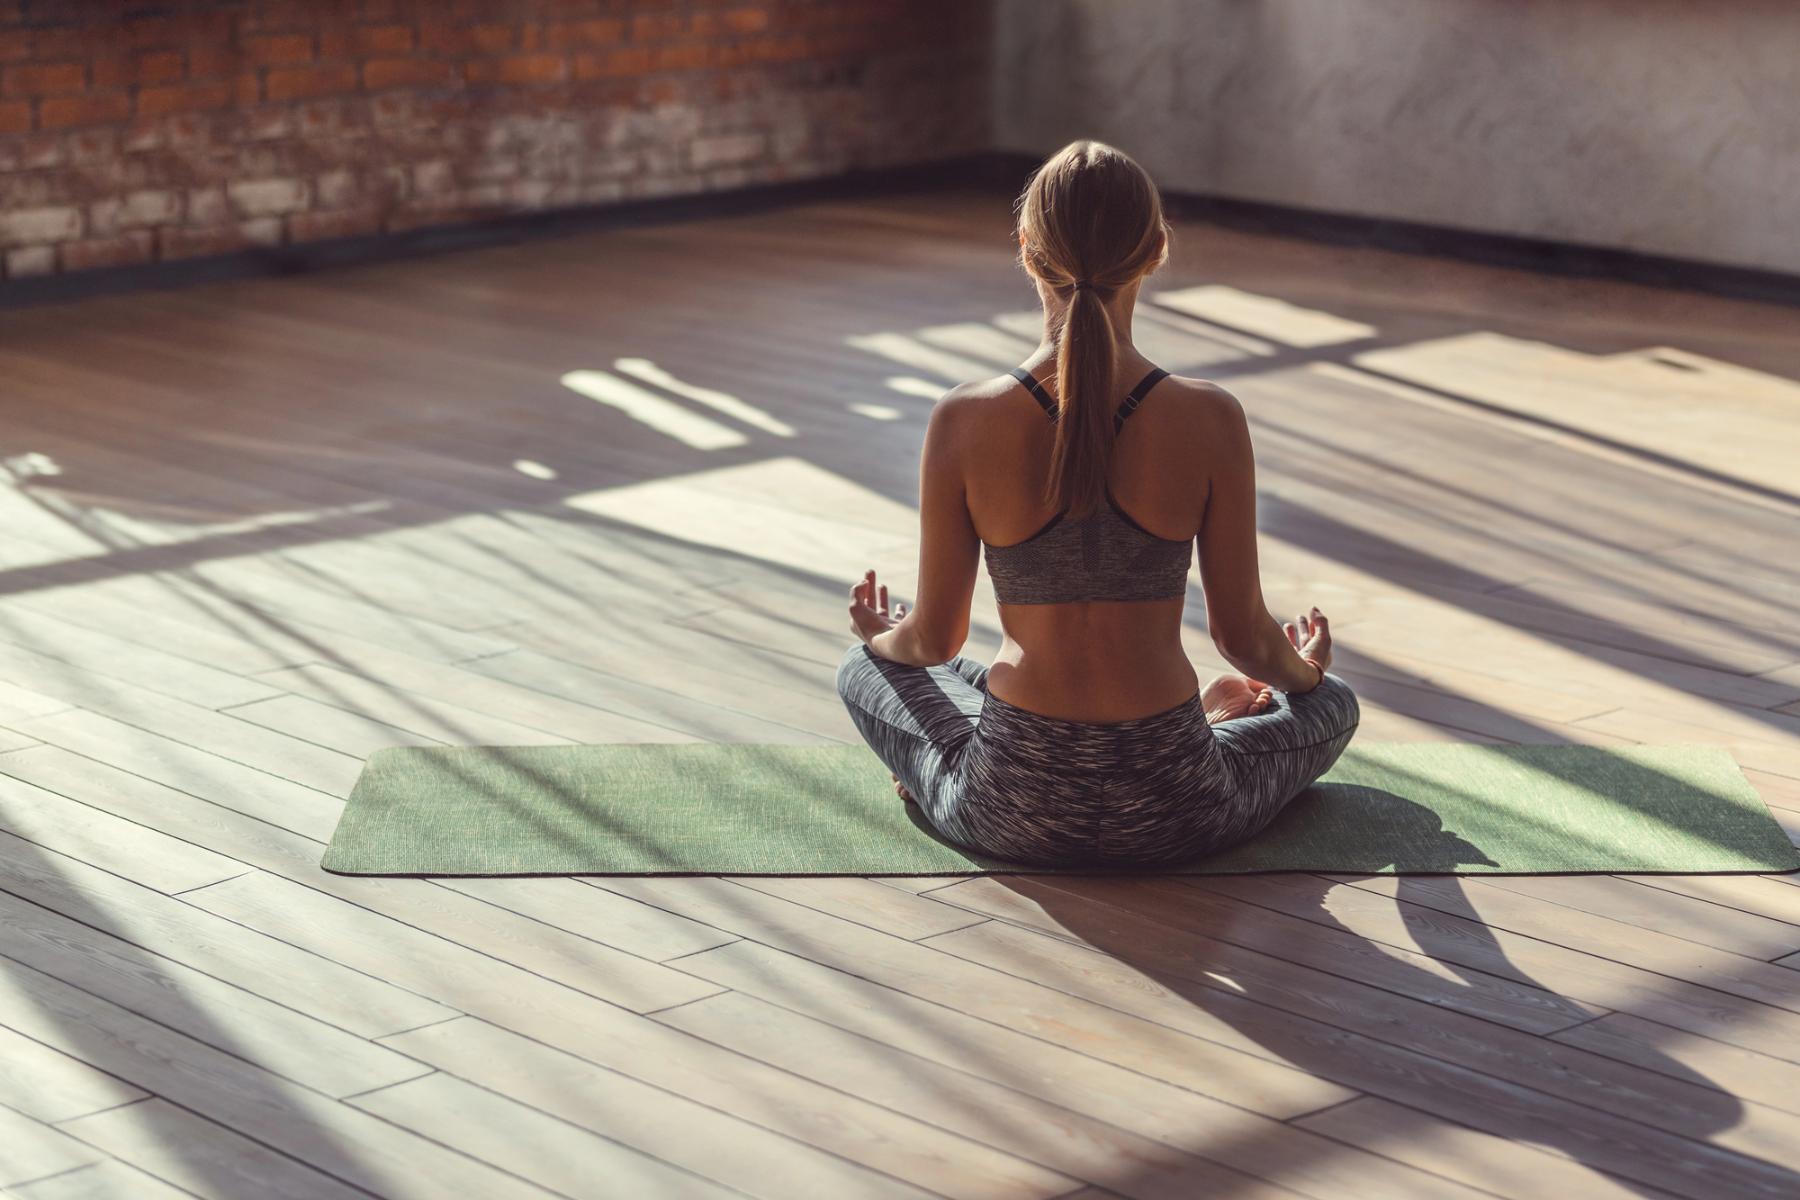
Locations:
column 1038, row 790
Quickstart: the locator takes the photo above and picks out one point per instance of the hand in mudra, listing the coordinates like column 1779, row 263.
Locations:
column 1228, row 697
column 1310, row 633
column 869, row 612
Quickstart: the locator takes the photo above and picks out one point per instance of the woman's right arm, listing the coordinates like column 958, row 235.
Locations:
column 1237, row 616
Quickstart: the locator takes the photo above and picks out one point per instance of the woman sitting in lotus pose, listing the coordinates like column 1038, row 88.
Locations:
column 1087, row 473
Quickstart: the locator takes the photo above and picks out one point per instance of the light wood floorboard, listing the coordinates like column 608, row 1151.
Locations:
column 251, row 532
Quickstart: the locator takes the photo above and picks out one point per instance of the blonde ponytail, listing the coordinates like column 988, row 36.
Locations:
column 1090, row 222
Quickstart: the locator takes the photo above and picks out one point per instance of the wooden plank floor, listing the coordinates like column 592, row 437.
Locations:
column 613, row 488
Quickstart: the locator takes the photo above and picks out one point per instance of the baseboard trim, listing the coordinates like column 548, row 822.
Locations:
column 979, row 168
column 1004, row 171
column 1442, row 241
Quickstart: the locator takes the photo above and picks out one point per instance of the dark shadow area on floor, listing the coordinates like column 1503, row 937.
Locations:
column 1464, row 1043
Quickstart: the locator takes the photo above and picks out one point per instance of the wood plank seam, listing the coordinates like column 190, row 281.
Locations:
column 730, row 1115
column 1508, row 1085
column 108, row 1108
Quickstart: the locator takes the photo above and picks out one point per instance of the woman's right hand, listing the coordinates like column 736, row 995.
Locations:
column 1310, row 634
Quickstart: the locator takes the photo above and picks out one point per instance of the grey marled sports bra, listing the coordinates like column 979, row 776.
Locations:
column 1104, row 556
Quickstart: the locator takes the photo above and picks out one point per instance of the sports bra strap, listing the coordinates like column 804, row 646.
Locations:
column 1126, row 408
column 1136, row 396
column 1037, row 391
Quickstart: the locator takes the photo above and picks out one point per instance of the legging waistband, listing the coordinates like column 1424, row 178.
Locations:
column 1001, row 720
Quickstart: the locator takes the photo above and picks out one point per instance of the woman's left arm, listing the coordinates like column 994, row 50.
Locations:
column 934, row 629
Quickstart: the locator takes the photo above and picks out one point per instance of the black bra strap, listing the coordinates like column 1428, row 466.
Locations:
column 1126, row 408
column 1037, row 391
column 1136, row 397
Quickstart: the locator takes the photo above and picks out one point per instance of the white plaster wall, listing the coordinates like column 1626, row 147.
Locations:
column 1663, row 126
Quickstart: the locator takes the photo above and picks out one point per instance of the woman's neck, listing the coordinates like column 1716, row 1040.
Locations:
column 1126, row 356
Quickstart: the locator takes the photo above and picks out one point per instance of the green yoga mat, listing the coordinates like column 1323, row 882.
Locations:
column 1385, row 808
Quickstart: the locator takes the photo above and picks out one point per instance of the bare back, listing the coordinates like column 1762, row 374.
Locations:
column 1104, row 660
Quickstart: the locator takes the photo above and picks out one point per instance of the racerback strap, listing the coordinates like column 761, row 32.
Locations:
column 1126, row 407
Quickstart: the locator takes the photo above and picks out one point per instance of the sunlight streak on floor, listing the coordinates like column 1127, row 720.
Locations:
column 785, row 511
column 1226, row 981
column 987, row 342
column 536, row 470
column 724, row 402
column 877, row 412
column 912, row 385
column 908, row 351
column 111, row 527
column 1724, row 418
column 1568, row 439
column 647, row 408
column 1265, row 316
column 19, row 467
column 1180, row 342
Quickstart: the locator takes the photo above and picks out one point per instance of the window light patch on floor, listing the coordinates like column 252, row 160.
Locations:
column 1712, row 420
column 17, row 468
column 786, row 511
column 909, row 351
column 983, row 340
column 1226, row 981
column 722, row 402
column 912, row 385
column 1263, row 316
column 649, row 409
column 876, row 412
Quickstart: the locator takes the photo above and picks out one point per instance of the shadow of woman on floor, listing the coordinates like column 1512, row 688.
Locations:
column 1464, row 1042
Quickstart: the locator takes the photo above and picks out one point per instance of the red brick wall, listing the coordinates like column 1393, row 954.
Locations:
column 132, row 132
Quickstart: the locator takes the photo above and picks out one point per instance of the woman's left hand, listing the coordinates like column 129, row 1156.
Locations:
column 869, row 613
column 1228, row 697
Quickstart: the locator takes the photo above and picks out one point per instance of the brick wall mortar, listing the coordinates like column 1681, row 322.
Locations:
column 133, row 132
